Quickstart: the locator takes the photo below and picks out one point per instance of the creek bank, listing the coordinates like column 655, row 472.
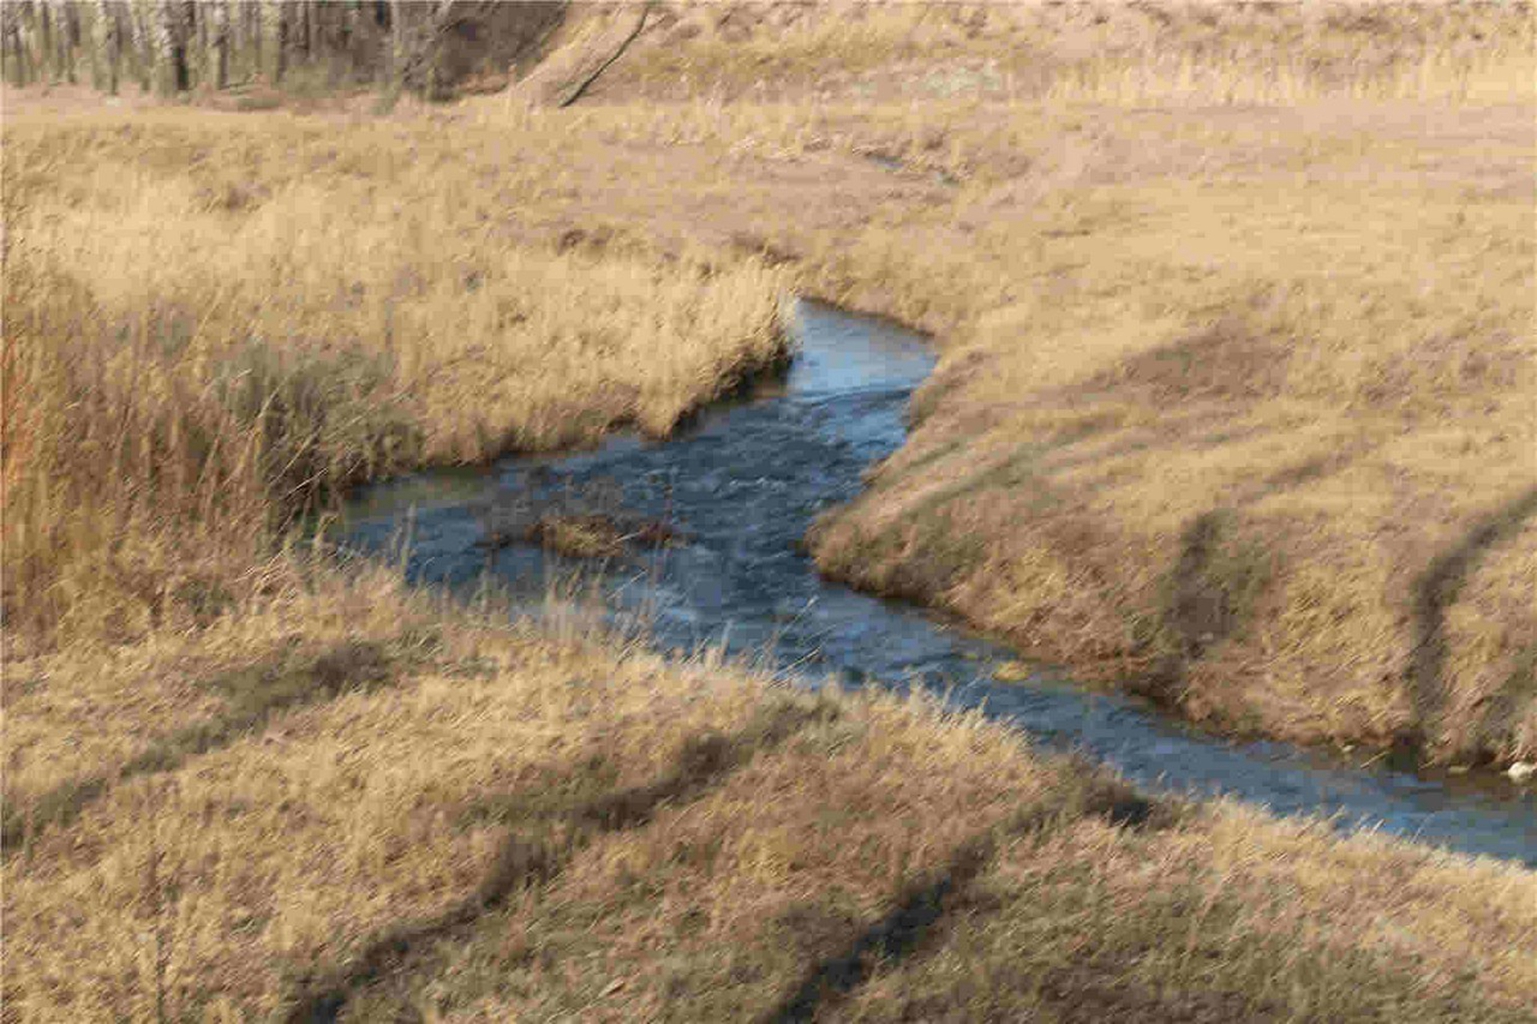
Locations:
column 741, row 486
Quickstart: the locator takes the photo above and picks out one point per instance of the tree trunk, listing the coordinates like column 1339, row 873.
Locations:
column 274, row 34
column 143, row 54
column 285, row 31
column 67, row 26
column 220, row 40
column 199, row 52
column 109, row 44
column 397, row 65
column 252, row 50
column 169, row 48
column 17, row 59
column 44, row 42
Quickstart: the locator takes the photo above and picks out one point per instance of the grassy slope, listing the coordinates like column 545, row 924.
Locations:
column 1237, row 308
column 349, row 794
column 275, row 783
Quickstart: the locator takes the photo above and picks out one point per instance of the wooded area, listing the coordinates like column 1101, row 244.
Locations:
column 177, row 46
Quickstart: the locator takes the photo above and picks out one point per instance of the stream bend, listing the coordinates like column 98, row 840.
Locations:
column 734, row 496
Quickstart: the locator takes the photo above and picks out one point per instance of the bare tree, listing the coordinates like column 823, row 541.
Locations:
column 108, row 39
column 18, row 69
column 143, row 55
column 274, row 40
column 170, row 46
column 44, row 49
column 216, row 17
column 72, row 37
column 172, row 74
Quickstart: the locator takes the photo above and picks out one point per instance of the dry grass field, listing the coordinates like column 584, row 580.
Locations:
column 348, row 798
column 1235, row 307
column 213, row 324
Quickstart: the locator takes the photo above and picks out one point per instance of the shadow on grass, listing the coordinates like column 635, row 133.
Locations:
column 1219, row 577
column 524, row 861
column 1436, row 590
column 254, row 694
column 903, row 932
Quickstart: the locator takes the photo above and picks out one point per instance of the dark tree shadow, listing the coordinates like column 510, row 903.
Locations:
column 906, row 930
column 1436, row 590
column 1210, row 593
column 526, row 860
column 255, row 694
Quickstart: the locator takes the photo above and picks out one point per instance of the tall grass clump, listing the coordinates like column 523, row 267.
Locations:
column 202, row 346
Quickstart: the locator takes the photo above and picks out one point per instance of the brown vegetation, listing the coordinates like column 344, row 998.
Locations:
column 1237, row 311
column 349, row 798
column 214, row 324
column 1234, row 406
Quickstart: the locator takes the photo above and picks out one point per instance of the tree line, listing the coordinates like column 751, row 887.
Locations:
column 177, row 46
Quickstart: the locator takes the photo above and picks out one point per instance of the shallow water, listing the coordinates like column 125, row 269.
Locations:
column 742, row 486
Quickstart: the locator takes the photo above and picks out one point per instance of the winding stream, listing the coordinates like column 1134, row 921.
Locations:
column 742, row 485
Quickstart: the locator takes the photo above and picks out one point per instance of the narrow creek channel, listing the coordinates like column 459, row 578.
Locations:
column 734, row 494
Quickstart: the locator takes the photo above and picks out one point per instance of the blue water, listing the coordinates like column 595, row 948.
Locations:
column 742, row 486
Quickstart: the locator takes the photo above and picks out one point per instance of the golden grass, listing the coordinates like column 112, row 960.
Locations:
column 465, row 819
column 1234, row 405
column 1237, row 310
column 212, row 325
column 1201, row 52
column 1216, row 435
column 1300, row 330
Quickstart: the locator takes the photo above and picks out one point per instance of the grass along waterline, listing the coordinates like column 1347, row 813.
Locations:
column 489, row 819
column 1300, row 344
column 192, row 361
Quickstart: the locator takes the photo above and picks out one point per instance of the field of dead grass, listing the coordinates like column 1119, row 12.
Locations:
column 1234, row 406
column 1204, row 51
column 354, row 800
column 215, row 324
column 1240, row 440
column 1236, row 304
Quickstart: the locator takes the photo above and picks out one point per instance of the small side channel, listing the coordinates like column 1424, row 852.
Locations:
column 702, row 534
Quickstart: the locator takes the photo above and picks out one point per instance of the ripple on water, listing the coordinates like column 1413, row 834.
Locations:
column 742, row 485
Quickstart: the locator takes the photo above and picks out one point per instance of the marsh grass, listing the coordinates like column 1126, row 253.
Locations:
column 1233, row 399
column 198, row 351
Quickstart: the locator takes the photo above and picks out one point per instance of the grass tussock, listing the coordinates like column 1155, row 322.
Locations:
column 398, row 807
column 199, row 347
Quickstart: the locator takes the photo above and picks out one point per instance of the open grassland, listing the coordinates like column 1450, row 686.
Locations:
column 1234, row 407
column 351, row 797
column 1253, row 442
